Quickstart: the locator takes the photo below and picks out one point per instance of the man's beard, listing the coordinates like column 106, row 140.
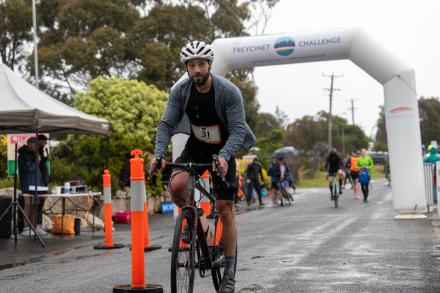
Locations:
column 199, row 79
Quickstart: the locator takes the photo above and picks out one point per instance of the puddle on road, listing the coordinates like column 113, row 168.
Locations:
column 43, row 257
column 20, row 263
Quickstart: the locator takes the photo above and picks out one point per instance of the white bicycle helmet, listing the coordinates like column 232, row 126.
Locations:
column 196, row 50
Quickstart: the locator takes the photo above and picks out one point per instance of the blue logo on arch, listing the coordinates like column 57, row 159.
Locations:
column 284, row 46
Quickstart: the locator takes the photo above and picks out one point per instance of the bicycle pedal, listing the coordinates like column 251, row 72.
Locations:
column 219, row 263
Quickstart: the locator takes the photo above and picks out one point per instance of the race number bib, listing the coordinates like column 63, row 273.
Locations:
column 207, row 134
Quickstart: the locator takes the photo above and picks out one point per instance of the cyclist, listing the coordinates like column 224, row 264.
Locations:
column 365, row 164
column 333, row 167
column 210, row 109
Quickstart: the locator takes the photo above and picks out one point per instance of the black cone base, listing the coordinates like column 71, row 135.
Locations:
column 150, row 288
column 113, row 246
column 150, row 248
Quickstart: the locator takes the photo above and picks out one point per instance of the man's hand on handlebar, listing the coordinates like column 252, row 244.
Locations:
column 154, row 167
column 224, row 166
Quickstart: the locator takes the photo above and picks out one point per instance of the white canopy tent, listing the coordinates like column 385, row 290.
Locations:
column 24, row 109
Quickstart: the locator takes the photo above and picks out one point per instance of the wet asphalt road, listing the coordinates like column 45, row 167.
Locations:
column 308, row 247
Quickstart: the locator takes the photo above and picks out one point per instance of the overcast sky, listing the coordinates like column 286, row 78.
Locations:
column 409, row 29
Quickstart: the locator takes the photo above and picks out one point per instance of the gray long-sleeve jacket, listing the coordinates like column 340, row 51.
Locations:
column 229, row 108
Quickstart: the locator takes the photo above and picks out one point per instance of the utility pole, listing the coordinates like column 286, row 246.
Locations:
column 352, row 108
column 34, row 20
column 330, row 118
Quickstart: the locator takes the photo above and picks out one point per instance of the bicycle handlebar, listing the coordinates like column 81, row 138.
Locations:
column 191, row 166
column 218, row 166
column 156, row 167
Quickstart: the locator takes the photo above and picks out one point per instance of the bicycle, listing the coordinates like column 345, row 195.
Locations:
column 194, row 251
column 335, row 191
column 283, row 194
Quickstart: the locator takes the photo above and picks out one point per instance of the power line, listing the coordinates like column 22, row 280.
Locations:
column 330, row 118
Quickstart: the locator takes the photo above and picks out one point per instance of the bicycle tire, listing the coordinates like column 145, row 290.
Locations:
column 336, row 193
column 287, row 197
column 188, row 264
column 217, row 253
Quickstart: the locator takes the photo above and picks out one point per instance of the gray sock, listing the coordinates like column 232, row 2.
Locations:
column 230, row 264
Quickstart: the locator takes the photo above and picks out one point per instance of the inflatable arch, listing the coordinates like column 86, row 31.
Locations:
column 398, row 80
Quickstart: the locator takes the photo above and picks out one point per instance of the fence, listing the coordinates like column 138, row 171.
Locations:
column 429, row 171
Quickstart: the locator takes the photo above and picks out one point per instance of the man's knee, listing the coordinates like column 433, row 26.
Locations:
column 177, row 185
column 225, row 209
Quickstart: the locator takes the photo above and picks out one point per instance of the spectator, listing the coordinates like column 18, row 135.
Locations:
column 274, row 173
column 44, row 166
column 253, row 174
column 365, row 164
column 386, row 170
column 431, row 158
column 29, row 175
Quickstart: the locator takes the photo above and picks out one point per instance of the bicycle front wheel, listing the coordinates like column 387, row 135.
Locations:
column 336, row 193
column 183, row 254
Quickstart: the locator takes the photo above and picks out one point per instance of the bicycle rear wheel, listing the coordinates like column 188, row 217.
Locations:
column 183, row 254
column 280, row 194
column 218, row 256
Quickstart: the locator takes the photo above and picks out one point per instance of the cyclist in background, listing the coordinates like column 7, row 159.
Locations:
column 210, row 109
column 333, row 167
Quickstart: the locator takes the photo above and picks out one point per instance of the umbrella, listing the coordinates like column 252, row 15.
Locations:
column 285, row 152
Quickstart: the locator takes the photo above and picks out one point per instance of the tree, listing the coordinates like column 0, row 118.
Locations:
column 138, row 39
column 381, row 143
column 3, row 156
column 15, row 28
column 266, row 123
column 249, row 93
column 282, row 117
column 83, row 40
column 306, row 132
column 133, row 108
column 268, row 144
column 429, row 111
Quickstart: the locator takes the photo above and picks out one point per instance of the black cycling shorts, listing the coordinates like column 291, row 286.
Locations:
column 354, row 175
column 274, row 185
column 333, row 172
column 220, row 191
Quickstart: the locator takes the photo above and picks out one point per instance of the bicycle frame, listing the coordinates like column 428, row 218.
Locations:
column 193, row 184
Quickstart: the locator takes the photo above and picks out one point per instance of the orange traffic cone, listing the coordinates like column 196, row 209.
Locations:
column 108, row 241
column 137, row 179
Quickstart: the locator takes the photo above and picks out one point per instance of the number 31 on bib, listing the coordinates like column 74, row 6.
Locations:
column 207, row 134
